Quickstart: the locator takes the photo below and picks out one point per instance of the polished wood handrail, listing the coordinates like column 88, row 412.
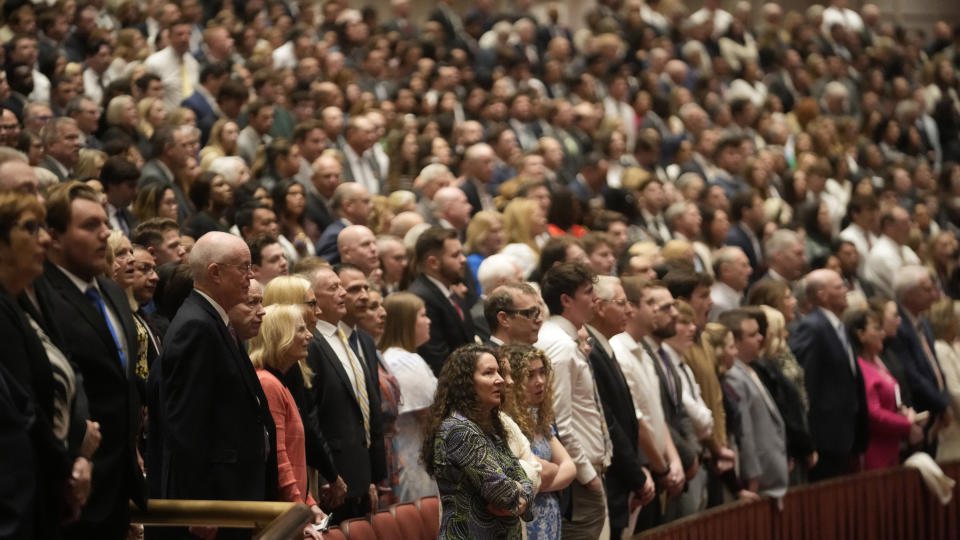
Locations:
column 273, row 520
column 887, row 504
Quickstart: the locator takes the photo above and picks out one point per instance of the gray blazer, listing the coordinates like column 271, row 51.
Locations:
column 763, row 437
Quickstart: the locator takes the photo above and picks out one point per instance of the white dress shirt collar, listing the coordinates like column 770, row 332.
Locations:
column 220, row 311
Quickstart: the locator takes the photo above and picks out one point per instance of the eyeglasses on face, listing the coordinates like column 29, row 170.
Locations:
column 529, row 313
column 245, row 268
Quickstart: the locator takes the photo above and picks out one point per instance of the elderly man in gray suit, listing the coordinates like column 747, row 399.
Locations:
column 763, row 439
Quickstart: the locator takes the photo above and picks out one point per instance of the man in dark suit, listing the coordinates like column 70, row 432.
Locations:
column 352, row 204
column 628, row 472
column 478, row 162
column 913, row 344
column 92, row 317
column 346, row 390
column 838, row 409
column 61, row 141
column 203, row 100
column 211, row 433
column 441, row 267
column 746, row 210
column 119, row 178
column 169, row 155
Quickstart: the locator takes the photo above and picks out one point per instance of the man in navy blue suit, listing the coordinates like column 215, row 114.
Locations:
column 913, row 344
column 746, row 210
column 838, row 409
column 352, row 203
column 203, row 100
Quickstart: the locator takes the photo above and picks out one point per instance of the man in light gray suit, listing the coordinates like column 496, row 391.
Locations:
column 763, row 441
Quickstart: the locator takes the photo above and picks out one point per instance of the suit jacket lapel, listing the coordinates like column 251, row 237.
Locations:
column 835, row 342
column 331, row 357
column 239, row 356
column 118, row 303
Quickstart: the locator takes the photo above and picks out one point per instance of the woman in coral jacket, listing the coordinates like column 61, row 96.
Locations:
column 889, row 421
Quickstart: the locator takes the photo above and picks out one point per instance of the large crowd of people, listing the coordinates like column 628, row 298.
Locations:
column 576, row 280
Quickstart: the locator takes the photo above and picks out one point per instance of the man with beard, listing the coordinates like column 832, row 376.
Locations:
column 441, row 259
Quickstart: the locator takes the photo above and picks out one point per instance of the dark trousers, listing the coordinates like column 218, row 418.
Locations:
column 833, row 465
column 352, row 507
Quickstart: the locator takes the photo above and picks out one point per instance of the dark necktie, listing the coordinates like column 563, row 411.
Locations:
column 456, row 305
column 94, row 296
column 667, row 374
column 354, row 343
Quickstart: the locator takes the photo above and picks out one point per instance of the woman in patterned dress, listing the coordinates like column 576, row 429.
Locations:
column 531, row 406
column 483, row 490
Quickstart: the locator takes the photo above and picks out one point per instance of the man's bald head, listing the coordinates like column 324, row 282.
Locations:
column 825, row 289
column 403, row 222
column 358, row 246
column 16, row 175
column 220, row 263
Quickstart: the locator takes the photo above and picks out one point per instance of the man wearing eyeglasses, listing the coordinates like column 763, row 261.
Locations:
column 211, row 433
column 514, row 313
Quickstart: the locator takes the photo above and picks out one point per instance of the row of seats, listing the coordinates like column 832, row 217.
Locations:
column 418, row 520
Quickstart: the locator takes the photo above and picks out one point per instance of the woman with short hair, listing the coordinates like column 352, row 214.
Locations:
column 282, row 343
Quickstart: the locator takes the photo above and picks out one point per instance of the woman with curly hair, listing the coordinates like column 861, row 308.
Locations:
column 531, row 406
column 483, row 489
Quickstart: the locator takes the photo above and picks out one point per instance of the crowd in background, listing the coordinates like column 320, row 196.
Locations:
column 575, row 282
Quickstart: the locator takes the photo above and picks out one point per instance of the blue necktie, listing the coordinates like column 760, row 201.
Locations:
column 354, row 342
column 94, row 297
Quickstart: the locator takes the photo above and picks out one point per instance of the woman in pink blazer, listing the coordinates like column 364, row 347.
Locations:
column 889, row 421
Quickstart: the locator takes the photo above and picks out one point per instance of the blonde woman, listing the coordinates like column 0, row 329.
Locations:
column 151, row 113
column 530, row 404
column 122, row 116
column 484, row 238
column 943, row 321
column 523, row 222
column 222, row 142
column 408, row 327
column 296, row 291
column 281, row 344
column 89, row 164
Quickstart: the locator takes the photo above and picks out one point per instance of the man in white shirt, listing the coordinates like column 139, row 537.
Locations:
column 179, row 70
column 360, row 164
column 733, row 274
column 98, row 73
column 890, row 252
column 865, row 223
column 568, row 292
column 839, row 13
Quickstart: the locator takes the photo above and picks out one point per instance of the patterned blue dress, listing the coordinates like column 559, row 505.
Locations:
column 546, row 507
column 473, row 470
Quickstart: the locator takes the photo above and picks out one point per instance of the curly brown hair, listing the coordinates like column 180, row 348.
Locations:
column 520, row 357
column 456, row 394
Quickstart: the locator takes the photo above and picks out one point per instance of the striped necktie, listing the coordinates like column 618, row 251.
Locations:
column 359, row 383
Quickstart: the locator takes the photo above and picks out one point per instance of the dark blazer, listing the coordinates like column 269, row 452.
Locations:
column 211, row 433
column 153, row 173
column 340, row 418
column 919, row 373
column 201, row 223
column 737, row 237
column 206, row 116
column 787, row 397
column 318, row 213
column 326, row 246
column 625, row 474
column 50, row 164
column 480, row 325
column 838, row 407
column 19, row 470
column 318, row 451
column 110, row 389
column 473, row 196
column 447, row 331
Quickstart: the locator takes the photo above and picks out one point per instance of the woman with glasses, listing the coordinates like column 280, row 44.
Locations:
column 46, row 459
column 282, row 344
column 296, row 291
column 408, row 327
column 531, row 406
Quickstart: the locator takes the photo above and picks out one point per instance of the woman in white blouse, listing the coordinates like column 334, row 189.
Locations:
column 943, row 320
column 407, row 327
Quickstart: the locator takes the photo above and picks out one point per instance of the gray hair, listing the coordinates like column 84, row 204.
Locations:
column 211, row 248
column 779, row 241
column 228, row 167
column 604, row 287
column 907, row 279
column 674, row 211
column 430, row 173
column 51, row 131
column 496, row 269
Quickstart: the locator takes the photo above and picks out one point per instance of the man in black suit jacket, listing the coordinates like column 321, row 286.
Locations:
column 746, row 209
column 441, row 267
column 477, row 167
column 628, row 472
column 211, row 433
column 352, row 203
column 347, row 394
column 915, row 293
column 838, row 409
column 92, row 317
column 327, row 173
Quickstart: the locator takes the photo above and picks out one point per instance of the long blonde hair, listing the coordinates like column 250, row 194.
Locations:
column 776, row 325
column 477, row 230
column 277, row 334
column 289, row 291
column 400, row 327
column 143, row 112
column 516, row 222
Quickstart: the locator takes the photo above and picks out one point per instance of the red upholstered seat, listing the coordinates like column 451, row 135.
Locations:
column 359, row 529
column 334, row 534
column 430, row 515
column 408, row 520
column 386, row 527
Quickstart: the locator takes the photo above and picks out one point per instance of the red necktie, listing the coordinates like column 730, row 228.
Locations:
column 456, row 305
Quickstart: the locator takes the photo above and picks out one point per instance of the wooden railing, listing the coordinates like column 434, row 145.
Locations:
column 270, row 520
column 890, row 504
